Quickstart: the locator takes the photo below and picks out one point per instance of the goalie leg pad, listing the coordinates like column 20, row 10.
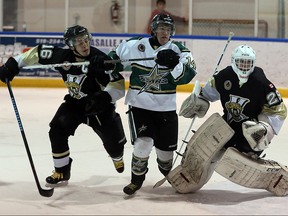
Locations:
column 253, row 173
column 184, row 182
column 203, row 149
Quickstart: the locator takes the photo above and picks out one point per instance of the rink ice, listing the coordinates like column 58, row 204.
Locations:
column 95, row 188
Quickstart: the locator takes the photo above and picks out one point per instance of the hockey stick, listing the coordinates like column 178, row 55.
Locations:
column 42, row 192
column 128, row 60
column 196, row 90
column 231, row 34
column 159, row 183
column 67, row 64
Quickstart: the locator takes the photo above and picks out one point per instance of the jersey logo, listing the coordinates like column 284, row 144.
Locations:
column 141, row 47
column 227, row 85
column 142, row 129
column 235, row 107
column 74, row 84
column 153, row 80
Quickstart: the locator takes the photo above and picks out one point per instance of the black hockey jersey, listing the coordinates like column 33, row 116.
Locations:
column 241, row 103
column 80, row 80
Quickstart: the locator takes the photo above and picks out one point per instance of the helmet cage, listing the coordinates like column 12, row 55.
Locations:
column 164, row 19
column 243, row 62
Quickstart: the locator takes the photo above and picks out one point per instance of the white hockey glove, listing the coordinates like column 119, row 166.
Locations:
column 258, row 134
column 194, row 105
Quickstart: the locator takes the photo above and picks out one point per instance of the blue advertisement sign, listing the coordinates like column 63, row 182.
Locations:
column 12, row 44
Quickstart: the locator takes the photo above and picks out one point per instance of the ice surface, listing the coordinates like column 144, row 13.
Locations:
column 95, row 188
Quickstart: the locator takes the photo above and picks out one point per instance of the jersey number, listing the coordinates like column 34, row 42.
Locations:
column 273, row 98
column 46, row 51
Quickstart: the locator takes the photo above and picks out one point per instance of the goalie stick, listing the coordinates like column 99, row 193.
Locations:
column 159, row 183
column 42, row 192
column 67, row 64
column 231, row 34
column 196, row 90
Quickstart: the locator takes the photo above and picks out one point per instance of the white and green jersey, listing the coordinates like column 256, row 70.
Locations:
column 153, row 87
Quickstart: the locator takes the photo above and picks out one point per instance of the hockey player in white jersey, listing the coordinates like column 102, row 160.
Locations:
column 151, row 96
column 253, row 111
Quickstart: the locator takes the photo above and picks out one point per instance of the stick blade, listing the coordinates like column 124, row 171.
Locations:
column 46, row 192
column 159, row 183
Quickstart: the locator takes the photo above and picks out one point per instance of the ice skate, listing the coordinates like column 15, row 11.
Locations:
column 131, row 188
column 60, row 176
column 118, row 164
column 135, row 185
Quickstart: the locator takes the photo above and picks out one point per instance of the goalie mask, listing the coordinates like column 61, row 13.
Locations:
column 243, row 62
column 164, row 19
column 75, row 35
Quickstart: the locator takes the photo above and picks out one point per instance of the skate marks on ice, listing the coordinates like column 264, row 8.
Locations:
column 76, row 197
column 103, row 195
column 100, row 189
column 222, row 199
column 210, row 196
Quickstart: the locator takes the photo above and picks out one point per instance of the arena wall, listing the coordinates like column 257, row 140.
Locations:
column 271, row 56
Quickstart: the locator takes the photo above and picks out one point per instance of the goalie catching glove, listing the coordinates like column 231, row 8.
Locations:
column 258, row 134
column 194, row 105
column 167, row 58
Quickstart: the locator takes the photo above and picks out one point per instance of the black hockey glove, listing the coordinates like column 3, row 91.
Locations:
column 98, row 103
column 9, row 70
column 167, row 58
column 97, row 63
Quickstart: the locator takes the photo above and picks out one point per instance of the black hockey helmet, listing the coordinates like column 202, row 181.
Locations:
column 72, row 32
column 162, row 19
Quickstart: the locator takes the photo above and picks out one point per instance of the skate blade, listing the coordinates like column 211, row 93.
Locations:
column 59, row 184
column 128, row 196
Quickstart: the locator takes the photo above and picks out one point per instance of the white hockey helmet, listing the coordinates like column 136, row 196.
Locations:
column 243, row 62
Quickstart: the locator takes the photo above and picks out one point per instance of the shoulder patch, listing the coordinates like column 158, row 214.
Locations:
column 181, row 46
column 135, row 38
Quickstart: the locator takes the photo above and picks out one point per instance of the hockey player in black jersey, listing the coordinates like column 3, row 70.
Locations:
column 254, row 113
column 91, row 99
column 247, row 97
